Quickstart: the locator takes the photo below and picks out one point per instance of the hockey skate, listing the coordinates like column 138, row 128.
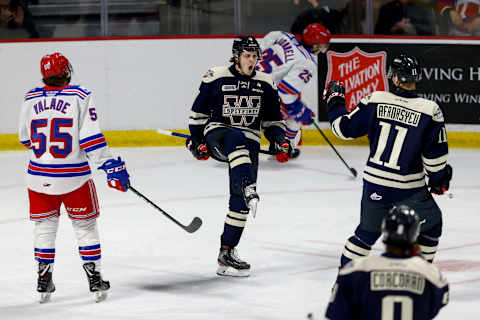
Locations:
column 251, row 198
column 229, row 264
column 295, row 153
column 97, row 285
column 45, row 283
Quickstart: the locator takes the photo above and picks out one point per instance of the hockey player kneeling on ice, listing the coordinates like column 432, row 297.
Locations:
column 233, row 105
column 399, row 284
column 408, row 141
column 59, row 124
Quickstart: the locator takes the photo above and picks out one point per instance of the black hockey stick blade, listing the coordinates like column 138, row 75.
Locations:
column 192, row 227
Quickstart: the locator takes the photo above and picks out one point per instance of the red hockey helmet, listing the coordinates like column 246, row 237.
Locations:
column 55, row 64
column 315, row 33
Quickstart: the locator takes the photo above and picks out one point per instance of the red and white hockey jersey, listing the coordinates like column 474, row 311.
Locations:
column 468, row 9
column 60, row 126
column 290, row 64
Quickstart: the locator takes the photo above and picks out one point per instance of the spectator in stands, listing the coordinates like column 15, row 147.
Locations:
column 15, row 14
column 404, row 17
column 462, row 16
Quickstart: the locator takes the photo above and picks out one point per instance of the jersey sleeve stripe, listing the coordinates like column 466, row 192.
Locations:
column 93, row 142
column 27, row 144
column 287, row 87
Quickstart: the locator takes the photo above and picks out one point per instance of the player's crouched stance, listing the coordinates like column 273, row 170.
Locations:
column 58, row 122
column 396, row 285
column 233, row 105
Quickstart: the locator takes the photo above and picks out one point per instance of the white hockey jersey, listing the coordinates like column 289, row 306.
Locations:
column 60, row 126
column 291, row 65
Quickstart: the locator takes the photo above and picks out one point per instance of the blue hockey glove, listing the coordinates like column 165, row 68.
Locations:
column 117, row 175
column 334, row 94
column 444, row 183
column 198, row 149
column 301, row 113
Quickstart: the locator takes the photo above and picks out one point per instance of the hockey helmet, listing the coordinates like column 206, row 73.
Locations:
column 55, row 65
column 315, row 33
column 401, row 226
column 406, row 68
column 245, row 43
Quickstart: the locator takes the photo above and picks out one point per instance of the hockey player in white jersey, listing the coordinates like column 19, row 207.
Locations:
column 292, row 61
column 59, row 124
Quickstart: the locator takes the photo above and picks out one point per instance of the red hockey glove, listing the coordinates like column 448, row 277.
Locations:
column 199, row 150
column 283, row 150
column 335, row 92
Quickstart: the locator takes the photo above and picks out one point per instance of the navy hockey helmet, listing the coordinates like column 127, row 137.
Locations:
column 406, row 68
column 245, row 43
column 401, row 226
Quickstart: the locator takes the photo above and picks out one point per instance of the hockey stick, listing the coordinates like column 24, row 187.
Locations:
column 192, row 227
column 186, row 136
column 352, row 170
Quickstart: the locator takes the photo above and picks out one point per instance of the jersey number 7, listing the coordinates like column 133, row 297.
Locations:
column 39, row 139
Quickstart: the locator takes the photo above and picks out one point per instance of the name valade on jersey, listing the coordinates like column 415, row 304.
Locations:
column 361, row 72
column 242, row 110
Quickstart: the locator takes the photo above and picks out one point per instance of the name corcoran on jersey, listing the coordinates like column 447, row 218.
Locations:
column 61, row 125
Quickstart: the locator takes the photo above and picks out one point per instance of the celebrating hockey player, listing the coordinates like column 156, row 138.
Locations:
column 407, row 136
column 291, row 59
column 233, row 105
column 396, row 285
column 59, row 124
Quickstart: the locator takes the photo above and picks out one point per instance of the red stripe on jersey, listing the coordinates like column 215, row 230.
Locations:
column 58, row 170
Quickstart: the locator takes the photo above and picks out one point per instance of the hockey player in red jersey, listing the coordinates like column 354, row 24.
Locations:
column 59, row 124
column 291, row 59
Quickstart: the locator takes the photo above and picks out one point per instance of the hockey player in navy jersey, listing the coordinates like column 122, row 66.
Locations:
column 396, row 285
column 291, row 59
column 232, row 107
column 59, row 124
column 407, row 138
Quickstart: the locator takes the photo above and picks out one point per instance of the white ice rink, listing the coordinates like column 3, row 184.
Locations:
column 308, row 208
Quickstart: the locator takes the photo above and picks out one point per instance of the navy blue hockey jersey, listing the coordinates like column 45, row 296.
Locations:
column 388, row 287
column 407, row 137
column 230, row 99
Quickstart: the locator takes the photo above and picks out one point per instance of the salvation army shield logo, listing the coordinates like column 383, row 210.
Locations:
column 361, row 72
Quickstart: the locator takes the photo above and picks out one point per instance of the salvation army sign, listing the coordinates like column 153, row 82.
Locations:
column 361, row 72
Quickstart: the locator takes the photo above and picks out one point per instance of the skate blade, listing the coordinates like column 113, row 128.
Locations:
column 232, row 272
column 99, row 296
column 44, row 297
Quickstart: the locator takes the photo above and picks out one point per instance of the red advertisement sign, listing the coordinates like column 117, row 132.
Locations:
column 361, row 72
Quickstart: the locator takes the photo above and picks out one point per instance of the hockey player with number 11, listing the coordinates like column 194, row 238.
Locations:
column 59, row 124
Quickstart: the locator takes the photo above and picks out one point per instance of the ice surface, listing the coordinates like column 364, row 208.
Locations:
column 308, row 208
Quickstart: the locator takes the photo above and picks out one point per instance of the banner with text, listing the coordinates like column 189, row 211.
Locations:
column 450, row 72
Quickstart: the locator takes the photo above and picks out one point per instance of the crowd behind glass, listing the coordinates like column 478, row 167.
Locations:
column 21, row 19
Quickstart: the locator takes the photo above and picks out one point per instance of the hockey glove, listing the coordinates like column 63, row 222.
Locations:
column 117, row 175
column 283, row 150
column 444, row 183
column 199, row 150
column 301, row 113
column 334, row 94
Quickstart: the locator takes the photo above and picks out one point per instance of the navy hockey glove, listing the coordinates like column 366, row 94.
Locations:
column 301, row 113
column 198, row 149
column 283, row 149
column 117, row 175
column 334, row 93
column 444, row 183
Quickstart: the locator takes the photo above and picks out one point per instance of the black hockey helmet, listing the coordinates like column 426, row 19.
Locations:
column 245, row 43
column 401, row 227
column 406, row 68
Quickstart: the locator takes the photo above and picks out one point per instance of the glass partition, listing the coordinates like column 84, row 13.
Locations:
column 20, row 19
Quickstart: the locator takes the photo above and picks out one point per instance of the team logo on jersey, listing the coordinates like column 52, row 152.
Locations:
column 362, row 72
column 208, row 74
column 243, row 84
column 242, row 110
column 375, row 197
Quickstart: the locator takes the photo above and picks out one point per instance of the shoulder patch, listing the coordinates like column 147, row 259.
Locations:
column 437, row 114
column 215, row 73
